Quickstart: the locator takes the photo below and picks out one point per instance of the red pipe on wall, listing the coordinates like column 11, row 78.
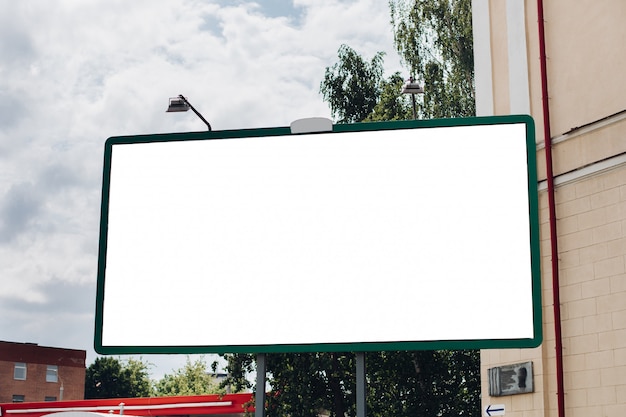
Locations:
column 556, row 299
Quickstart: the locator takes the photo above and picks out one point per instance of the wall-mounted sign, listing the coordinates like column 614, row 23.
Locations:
column 511, row 379
column 403, row 235
column 494, row 410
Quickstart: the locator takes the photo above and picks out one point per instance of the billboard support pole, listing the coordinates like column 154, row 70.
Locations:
column 259, row 396
column 361, row 407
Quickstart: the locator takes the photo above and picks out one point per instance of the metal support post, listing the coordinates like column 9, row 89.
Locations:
column 259, row 397
column 361, row 406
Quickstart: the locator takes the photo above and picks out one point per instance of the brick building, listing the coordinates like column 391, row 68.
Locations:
column 562, row 62
column 29, row 372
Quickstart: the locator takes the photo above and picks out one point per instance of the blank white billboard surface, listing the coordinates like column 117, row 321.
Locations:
column 397, row 236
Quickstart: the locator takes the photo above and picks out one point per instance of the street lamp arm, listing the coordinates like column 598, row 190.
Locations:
column 195, row 111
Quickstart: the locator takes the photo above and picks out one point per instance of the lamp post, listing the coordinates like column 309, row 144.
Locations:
column 180, row 103
column 412, row 87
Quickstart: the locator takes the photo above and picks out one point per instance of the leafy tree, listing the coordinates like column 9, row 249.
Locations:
column 305, row 384
column 352, row 85
column 424, row 383
column 392, row 104
column 109, row 377
column 192, row 379
column 137, row 372
column 399, row 383
column 434, row 39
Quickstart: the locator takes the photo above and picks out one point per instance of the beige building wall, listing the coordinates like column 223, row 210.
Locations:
column 586, row 76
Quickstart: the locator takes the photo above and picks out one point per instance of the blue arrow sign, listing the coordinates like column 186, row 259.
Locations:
column 495, row 410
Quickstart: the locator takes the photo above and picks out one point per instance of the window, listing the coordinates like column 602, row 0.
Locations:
column 18, row 398
column 52, row 373
column 19, row 372
column 50, row 398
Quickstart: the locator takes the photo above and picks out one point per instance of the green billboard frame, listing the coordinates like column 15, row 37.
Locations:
column 491, row 343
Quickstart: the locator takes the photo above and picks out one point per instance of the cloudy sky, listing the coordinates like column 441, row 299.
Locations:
column 75, row 72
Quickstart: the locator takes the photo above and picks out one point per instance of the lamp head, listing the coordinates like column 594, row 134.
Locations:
column 177, row 104
column 412, row 87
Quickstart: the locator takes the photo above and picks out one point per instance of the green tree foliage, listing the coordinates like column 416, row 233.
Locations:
column 391, row 104
column 307, row 384
column 434, row 39
column 399, row 383
column 424, row 383
column 352, row 86
column 137, row 372
column 192, row 379
column 109, row 377
column 303, row 384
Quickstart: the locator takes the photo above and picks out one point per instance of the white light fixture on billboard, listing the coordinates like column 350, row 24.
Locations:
column 181, row 104
column 412, row 87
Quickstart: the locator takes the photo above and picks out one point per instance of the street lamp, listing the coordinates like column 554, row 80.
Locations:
column 180, row 103
column 412, row 87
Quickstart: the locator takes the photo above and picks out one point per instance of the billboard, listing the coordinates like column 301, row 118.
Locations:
column 375, row 236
